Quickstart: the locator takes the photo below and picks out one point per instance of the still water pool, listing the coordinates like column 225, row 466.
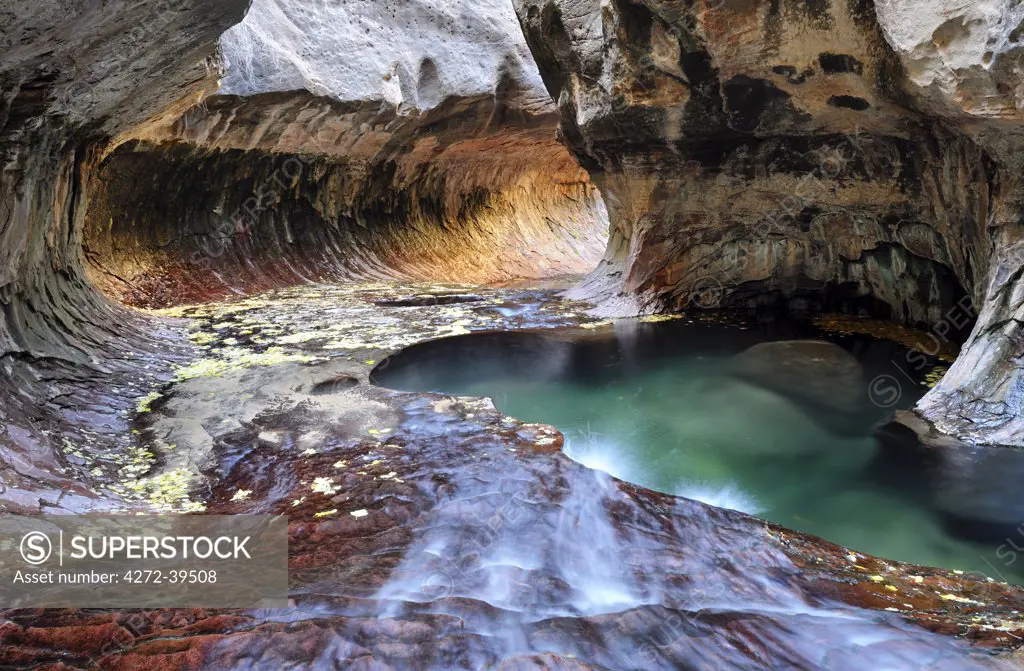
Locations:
column 773, row 418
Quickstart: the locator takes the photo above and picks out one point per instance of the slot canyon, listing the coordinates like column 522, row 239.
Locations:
column 564, row 334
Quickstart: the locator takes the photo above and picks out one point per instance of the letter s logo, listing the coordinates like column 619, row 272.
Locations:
column 35, row 547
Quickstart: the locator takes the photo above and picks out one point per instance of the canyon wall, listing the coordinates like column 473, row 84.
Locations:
column 741, row 163
column 152, row 159
column 365, row 140
column 815, row 154
column 74, row 75
column 112, row 145
column 333, row 191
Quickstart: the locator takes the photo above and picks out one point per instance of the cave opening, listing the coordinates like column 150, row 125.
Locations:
column 177, row 222
column 530, row 333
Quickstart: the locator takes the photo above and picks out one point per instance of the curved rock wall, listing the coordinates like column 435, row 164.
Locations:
column 112, row 144
column 329, row 191
column 411, row 140
column 73, row 76
column 756, row 152
column 963, row 63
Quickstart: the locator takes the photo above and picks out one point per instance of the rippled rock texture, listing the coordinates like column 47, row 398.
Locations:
column 73, row 76
column 70, row 80
column 432, row 532
column 116, row 176
column 445, row 163
column 409, row 140
column 451, row 544
column 279, row 189
column 758, row 152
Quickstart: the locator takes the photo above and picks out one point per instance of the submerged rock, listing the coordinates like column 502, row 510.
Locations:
column 467, row 541
column 470, row 358
column 431, row 532
column 812, row 372
column 465, row 547
column 854, row 156
column 977, row 489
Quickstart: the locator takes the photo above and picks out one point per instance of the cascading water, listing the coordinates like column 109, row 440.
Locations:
column 408, row 173
column 783, row 430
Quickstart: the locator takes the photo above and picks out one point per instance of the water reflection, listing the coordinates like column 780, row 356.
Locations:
column 774, row 419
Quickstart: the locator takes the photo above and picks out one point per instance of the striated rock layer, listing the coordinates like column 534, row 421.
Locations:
column 822, row 154
column 73, row 76
column 425, row 177
column 347, row 141
column 283, row 188
column 108, row 148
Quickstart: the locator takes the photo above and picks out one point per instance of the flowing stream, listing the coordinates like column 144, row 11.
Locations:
column 764, row 418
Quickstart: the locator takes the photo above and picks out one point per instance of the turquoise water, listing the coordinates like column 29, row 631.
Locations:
column 677, row 407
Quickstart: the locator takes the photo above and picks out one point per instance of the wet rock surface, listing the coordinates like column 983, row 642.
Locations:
column 804, row 369
column 72, row 77
column 430, row 531
column 818, row 375
column 846, row 156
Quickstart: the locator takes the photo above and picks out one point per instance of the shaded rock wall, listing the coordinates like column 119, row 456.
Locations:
column 963, row 63
column 72, row 77
column 282, row 188
column 112, row 144
column 411, row 141
column 763, row 152
column 62, row 348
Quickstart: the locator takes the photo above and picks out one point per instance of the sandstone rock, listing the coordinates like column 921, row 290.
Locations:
column 72, row 76
column 744, row 161
column 329, row 192
column 959, row 59
column 813, row 372
column 822, row 154
column 407, row 54
column 467, row 545
column 78, row 79
column 365, row 139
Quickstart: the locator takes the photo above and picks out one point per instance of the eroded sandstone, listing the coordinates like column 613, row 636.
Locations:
column 284, row 188
column 828, row 155
column 431, row 531
column 740, row 163
column 72, row 76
